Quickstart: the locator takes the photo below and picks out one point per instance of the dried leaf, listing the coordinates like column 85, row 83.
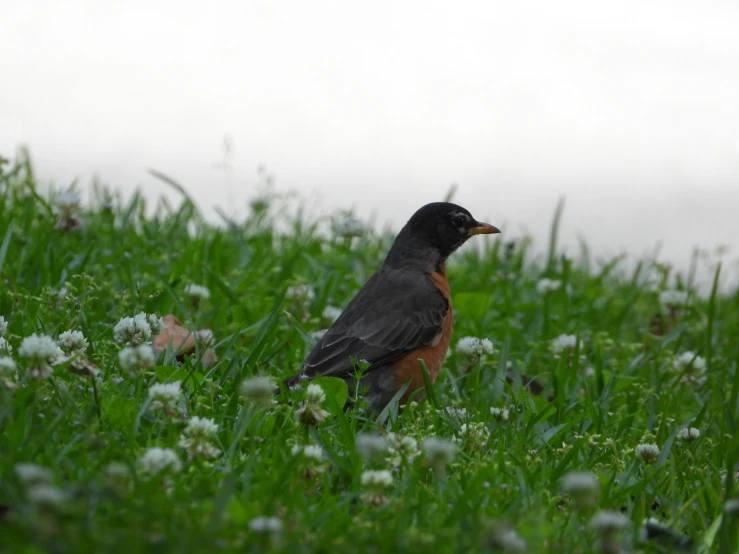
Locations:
column 183, row 341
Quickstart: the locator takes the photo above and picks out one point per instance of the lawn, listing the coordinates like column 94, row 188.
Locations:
column 603, row 410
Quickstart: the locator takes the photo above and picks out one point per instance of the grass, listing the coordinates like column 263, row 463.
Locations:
column 617, row 388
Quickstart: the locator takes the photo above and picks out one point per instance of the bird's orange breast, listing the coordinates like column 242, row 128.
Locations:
column 433, row 353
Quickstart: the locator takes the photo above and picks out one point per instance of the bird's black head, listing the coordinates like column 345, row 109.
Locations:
column 435, row 231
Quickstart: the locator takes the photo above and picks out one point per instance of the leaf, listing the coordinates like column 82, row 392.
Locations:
column 337, row 392
column 183, row 340
column 550, row 433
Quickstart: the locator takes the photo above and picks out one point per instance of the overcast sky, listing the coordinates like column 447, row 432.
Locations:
column 629, row 109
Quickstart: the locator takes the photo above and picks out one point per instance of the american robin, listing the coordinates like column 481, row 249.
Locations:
column 402, row 314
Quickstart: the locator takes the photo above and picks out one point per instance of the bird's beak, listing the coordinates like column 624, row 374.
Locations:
column 483, row 229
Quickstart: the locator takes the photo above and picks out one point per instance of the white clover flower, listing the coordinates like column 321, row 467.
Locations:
column 647, row 452
column 72, row 341
column 511, row 542
column 501, row 414
column 39, row 349
column 164, row 396
column 7, row 366
column 132, row 331
column 204, row 337
column 258, row 389
column 197, row 436
column 546, row 285
column 331, row 313
column 582, row 486
column 371, row 447
column 201, row 426
column 674, row 298
column 3, row 326
column 198, row 292
column 688, row 434
column 564, row 342
column 157, row 460
column 313, row 452
column 439, row 452
column 404, row 447
column 474, row 347
column 696, row 368
column 608, row 521
column 318, row 335
column 351, row 227
column 475, row 434
column 300, row 292
column 155, row 322
column 265, row 525
column 311, row 414
column 68, row 201
column 460, row 414
column 45, row 495
column 117, row 469
column 315, row 394
column 33, row 474
column 135, row 358
column 118, row 477
column 378, row 479
column 5, row 347
column 689, row 358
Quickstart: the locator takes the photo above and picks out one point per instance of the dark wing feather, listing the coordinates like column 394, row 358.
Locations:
column 395, row 312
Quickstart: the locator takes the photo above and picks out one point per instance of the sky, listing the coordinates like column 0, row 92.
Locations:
column 629, row 110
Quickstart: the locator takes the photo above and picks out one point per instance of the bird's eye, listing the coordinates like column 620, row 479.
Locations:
column 460, row 220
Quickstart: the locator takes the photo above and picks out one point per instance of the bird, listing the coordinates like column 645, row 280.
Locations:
column 403, row 312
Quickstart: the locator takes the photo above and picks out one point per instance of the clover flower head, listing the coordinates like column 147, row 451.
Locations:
column 315, row 394
column 582, row 486
column 564, row 342
column 318, row 335
column 608, row 521
column 371, row 447
column 198, row 292
column 45, row 495
column 258, row 389
column 5, row 347
column 7, row 366
column 331, row 313
column 688, row 434
column 68, row 201
column 474, row 347
column 302, row 292
column 545, row 285
column 674, row 298
column 39, row 349
column 439, row 452
column 379, row 479
column 133, row 359
column 164, row 396
column 72, row 341
column 266, row 525
column 351, row 227
column 158, row 460
column 132, row 331
column 647, row 452
column 197, row 436
column 33, row 474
